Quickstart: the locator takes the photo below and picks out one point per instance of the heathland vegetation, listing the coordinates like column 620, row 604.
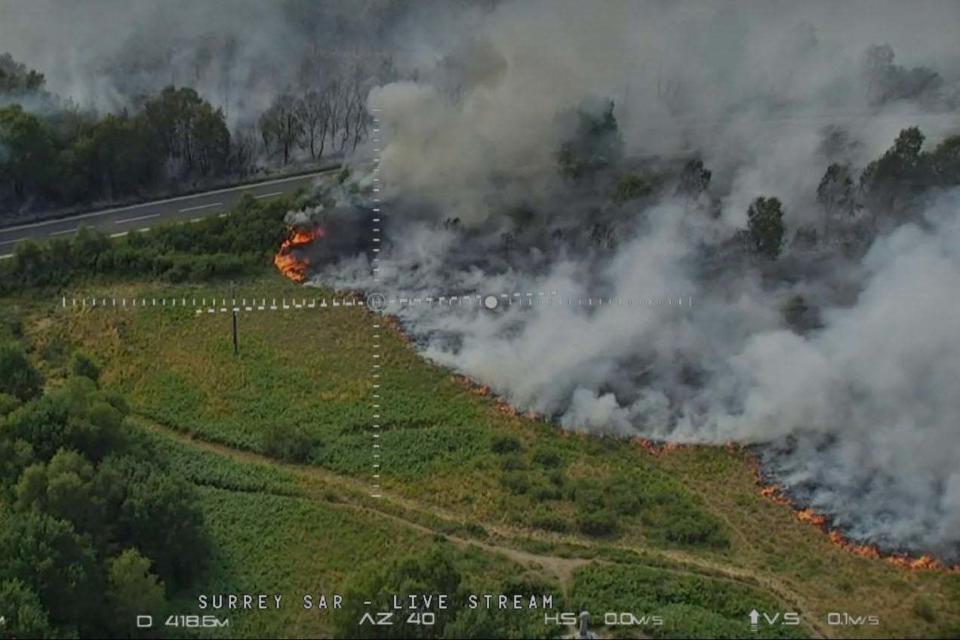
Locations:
column 146, row 461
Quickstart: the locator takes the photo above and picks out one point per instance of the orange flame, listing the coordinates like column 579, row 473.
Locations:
column 287, row 261
column 923, row 563
column 657, row 447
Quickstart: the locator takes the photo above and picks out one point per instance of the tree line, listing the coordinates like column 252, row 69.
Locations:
column 213, row 247
column 52, row 153
column 69, row 156
column 890, row 189
column 94, row 528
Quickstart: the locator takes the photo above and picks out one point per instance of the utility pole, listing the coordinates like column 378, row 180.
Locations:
column 236, row 341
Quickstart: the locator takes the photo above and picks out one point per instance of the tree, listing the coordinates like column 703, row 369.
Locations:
column 313, row 110
column 62, row 488
column 596, row 143
column 694, row 179
column 156, row 512
column 17, row 375
column 48, row 556
column 29, row 157
column 23, row 612
column 835, row 194
column 432, row 572
column 800, row 316
column 945, row 162
column 765, row 226
column 16, row 79
column 192, row 135
column 359, row 89
column 896, row 173
column 114, row 157
column 280, row 126
column 132, row 590
column 77, row 416
column 888, row 81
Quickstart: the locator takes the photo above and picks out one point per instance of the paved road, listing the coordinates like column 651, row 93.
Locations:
column 122, row 220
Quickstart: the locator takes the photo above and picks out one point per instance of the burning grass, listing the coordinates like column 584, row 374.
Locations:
column 289, row 259
column 775, row 493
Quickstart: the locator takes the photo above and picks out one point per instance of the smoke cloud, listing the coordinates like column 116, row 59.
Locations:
column 855, row 415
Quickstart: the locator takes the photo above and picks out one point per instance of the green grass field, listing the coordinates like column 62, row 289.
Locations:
column 279, row 441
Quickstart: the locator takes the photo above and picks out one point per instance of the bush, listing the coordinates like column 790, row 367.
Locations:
column 924, row 609
column 547, row 458
column 597, row 522
column 512, row 462
column 83, row 365
column 632, row 186
column 515, row 481
column 694, row 529
column 292, row 444
column 505, row 444
column 17, row 376
column 545, row 519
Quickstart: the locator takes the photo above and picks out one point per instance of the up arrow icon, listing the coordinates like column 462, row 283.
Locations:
column 754, row 619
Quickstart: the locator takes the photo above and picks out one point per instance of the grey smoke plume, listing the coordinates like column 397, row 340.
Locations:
column 238, row 54
column 856, row 417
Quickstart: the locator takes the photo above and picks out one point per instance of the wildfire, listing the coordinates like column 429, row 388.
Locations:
column 811, row 516
column 286, row 260
column 924, row 562
column 655, row 447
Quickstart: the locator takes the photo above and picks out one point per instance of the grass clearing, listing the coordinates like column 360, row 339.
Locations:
column 454, row 465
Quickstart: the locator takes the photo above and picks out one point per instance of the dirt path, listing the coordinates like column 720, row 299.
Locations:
column 353, row 494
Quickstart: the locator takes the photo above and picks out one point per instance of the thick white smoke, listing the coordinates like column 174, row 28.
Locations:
column 856, row 417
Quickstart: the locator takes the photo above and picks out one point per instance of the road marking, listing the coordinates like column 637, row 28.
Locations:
column 119, row 235
column 5, row 257
column 152, row 215
column 60, row 233
column 268, row 195
column 143, row 229
column 11, row 241
column 191, row 196
column 202, row 206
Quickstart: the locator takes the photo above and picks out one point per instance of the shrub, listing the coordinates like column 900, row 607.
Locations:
column 512, row 462
column 505, row 444
column 548, row 458
column 292, row 444
column 597, row 522
column 515, row 481
column 924, row 609
column 83, row 365
column 543, row 518
column 17, row 376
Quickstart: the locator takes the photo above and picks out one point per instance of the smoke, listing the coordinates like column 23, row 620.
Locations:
column 238, row 54
column 869, row 403
column 855, row 413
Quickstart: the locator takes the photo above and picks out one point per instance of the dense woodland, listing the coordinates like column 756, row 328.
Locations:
column 93, row 527
column 55, row 154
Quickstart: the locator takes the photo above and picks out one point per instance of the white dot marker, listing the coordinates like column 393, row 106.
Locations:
column 491, row 302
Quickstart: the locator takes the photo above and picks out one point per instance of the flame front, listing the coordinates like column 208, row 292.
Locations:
column 289, row 264
column 808, row 515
